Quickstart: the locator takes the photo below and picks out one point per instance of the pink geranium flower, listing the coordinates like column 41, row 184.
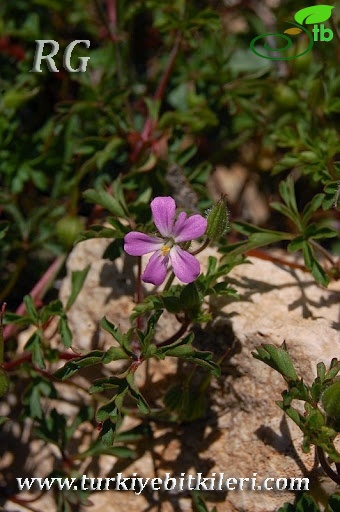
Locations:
column 167, row 249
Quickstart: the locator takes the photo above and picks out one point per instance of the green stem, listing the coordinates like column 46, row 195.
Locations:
column 169, row 282
column 323, row 251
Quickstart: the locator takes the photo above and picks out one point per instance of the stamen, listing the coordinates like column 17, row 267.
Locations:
column 165, row 250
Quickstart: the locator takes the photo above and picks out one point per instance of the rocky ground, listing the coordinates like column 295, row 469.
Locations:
column 243, row 431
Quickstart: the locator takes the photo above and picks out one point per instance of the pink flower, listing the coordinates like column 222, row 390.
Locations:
column 185, row 266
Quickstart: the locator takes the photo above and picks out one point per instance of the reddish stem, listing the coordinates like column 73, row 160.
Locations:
column 159, row 93
column 112, row 15
column 25, row 503
column 66, row 356
column 175, row 336
column 257, row 253
column 37, row 292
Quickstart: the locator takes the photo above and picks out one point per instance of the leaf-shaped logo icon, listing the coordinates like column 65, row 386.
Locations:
column 293, row 31
column 314, row 14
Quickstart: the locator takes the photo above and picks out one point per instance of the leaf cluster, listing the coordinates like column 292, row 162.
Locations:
column 318, row 429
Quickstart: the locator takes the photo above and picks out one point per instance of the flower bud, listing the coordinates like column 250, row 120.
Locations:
column 218, row 217
column 68, row 228
column 331, row 400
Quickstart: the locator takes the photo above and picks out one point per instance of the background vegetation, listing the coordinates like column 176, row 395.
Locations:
column 171, row 91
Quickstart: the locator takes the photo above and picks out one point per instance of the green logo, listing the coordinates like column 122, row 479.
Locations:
column 310, row 16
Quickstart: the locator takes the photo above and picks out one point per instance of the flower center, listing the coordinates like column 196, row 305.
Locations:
column 167, row 246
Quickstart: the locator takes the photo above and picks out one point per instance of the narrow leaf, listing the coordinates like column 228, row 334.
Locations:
column 104, row 199
column 77, row 281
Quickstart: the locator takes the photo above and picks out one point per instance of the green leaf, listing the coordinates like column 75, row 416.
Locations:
column 171, row 303
column 12, row 318
column 287, row 507
column 34, row 345
column 107, row 433
column 106, row 200
column 287, row 192
column 311, row 207
column 37, row 388
column 199, row 503
column 334, row 503
column 277, row 358
column 212, row 265
column 90, row 359
column 258, row 237
column 3, row 420
column 320, row 232
column 114, row 250
column 31, row 309
column 293, row 414
column 99, row 448
column 284, row 210
column 307, row 504
column 123, row 339
column 147, row 337
column 313, row 14
column 183, row 349
column 77, row 281
column 65, row 332
column 52, row 429
column 112, row 329
column 54, row 308
column 150, row 303
column 321, row 371
column 134, row 434
column 98, row 232
column 332, row 191
column 316, row 390
column 296, row 244
column 135, row 393
column 313, row 265
column 84, row 414
column 334, row 369
column 111, row 410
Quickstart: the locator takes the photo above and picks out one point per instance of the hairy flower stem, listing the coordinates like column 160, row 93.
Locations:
column 169, row 282
column 326, row 467
column 202, row 247
column 139, row 320
column 175, row 336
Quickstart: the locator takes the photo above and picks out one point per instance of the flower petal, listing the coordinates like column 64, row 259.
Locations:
column 137, row 244
column 179, row 224
column 163, row 213
column 185, row 265
column 156, row 269
column 190, row 228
